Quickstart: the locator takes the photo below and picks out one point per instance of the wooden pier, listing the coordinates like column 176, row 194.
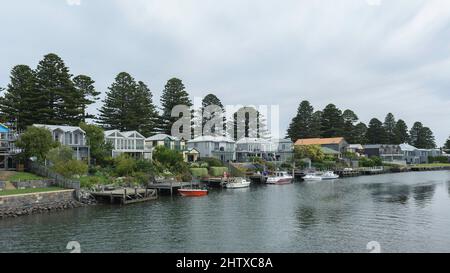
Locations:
column 125, row 196
column 170, row 186
column 348, row 173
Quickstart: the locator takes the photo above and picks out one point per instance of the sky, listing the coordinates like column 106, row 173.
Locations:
column 371, row 56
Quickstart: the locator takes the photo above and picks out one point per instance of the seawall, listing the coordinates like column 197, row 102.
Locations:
column 30, row 203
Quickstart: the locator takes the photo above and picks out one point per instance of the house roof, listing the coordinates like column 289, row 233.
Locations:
column 407, row 147
column 329, row 151
column 129, row 133
column 319, row 141
column 356, row 146
column 63, row 128
column 211, row 139
column 246, row 140
column 161, row 137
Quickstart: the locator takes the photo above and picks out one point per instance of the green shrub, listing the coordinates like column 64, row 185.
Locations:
column 71, row 168
column 217, row 171
column 212, row 162
column 199, row 172
column 438, row 159
column 124, row 165
column 195, row 165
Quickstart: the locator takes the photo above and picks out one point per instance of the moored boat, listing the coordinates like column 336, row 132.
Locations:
column 192, row 192
column 236, row 183
column 279, row 178
column 329, row 175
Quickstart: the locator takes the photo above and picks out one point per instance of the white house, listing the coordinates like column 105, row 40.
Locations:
column 171, row 142
column 269, row 150
column 72, row 136
column 130, row 142
column 219, row 147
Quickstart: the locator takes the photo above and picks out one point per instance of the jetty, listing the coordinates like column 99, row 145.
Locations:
column 125, row 196
column 170, row 186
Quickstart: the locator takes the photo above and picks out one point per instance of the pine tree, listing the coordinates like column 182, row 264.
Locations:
column 376, row 133
column 332, row 122
column 301, row 124
column 128, row 106
column 350, row 119
column 316, row 124
column 253, row 122
column 401, row 132
column 389, row 126
column 421, row 137
column 360, row 133
column 211, row 100
column 18, row 103
column 144, row 108
column 87, row 94
column 174, row 94
column 116, row 112
column 57, row 101
column 447, row 144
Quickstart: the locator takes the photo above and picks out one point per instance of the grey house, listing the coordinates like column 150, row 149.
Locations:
column 413, row 155
column 8, row 150
column 71, row 136
column 219, row 147
column 387, row 152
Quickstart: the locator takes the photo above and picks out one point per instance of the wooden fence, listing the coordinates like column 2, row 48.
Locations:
column 60, row 181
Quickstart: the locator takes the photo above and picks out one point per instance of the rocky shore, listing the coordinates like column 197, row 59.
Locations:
column 26, row 204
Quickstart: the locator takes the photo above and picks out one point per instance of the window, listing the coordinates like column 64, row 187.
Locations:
column 76, row 139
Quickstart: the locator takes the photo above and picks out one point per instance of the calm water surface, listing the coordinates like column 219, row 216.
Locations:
column 407, row 212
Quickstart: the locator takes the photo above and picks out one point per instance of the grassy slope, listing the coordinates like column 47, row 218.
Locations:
column 13, row 192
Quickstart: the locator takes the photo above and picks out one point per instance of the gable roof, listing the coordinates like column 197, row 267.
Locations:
column 161, row 137
column 63, row 128
column 212, row 139
column 319, row 141
column 129, row 133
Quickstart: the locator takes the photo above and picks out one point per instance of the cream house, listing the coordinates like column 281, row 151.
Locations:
column 129, row 142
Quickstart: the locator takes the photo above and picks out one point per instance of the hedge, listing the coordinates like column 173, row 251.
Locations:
column 217, row 171
column 199, row 172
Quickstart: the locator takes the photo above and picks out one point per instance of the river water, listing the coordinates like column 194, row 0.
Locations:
column 405, row 212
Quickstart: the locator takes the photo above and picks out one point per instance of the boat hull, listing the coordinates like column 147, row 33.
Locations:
column 192, row 192
column 280, row 181
column 237, row 185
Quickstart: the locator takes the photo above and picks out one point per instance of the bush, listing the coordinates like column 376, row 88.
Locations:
column 438, row 159
column 217, row 171
column 71, row 168
column 91, row 181
column 199, row 172
column 212, row 162
column 124, row 165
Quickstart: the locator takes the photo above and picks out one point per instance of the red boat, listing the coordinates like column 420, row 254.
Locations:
column 193, row 192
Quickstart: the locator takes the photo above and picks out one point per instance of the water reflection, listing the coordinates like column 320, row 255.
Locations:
column 391, row 193
column 423, row 194
column 306, row 217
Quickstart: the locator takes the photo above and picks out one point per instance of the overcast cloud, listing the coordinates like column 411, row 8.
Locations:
column 371, row 56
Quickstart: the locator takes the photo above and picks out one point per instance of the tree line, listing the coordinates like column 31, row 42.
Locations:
column 50, row 94
column 333, row 122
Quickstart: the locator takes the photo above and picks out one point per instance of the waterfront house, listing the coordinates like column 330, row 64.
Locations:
column 8, row 150
column 129, row 142
column 413, row 155
column 170, row 142
column 72, row 136
column 269, row 150
column 357, row 149
column 338, row 144
column 331, row 152
column 389, row 153
column 219, row 147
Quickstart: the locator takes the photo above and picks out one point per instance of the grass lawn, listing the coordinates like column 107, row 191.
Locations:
column 13, row 192
column 23, row 176
column 432, row 165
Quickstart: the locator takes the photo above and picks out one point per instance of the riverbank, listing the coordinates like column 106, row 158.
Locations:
column 15, row 205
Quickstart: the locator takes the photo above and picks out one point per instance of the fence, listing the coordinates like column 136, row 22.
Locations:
column 60, row 181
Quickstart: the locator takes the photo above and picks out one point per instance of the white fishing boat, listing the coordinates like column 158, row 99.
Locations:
column 319, row 177
column 236, row 183
column 279, row 178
